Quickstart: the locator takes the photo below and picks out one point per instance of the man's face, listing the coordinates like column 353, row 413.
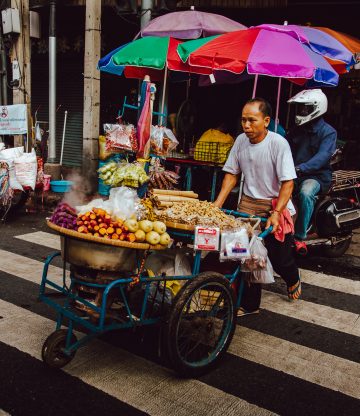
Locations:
column 254, row 123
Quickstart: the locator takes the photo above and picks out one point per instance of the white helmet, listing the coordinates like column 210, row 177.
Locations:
column 310, row 104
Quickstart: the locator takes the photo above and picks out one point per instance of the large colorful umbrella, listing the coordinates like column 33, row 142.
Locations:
column 323, row 41
column 258, row 51
column 147, row 56
column 190, row 24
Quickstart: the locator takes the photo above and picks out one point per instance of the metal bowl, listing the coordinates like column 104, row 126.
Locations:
column 98, row 256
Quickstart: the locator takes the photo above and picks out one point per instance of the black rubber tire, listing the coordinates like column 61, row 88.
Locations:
column 205, row 279
column 51, row 352
column 337, row 250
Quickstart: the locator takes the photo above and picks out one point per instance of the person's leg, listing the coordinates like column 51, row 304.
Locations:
column 283, row 262
column 308, row 189
column 251, row 297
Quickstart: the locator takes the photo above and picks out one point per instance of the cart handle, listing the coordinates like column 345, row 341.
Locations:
column 242, row 214
column 264, row 234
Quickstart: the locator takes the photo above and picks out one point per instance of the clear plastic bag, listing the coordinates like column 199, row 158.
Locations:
column 162, row 140
column 120, row 137
column 258, row 268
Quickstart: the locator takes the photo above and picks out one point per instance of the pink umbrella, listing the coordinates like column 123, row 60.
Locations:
column 190, row 24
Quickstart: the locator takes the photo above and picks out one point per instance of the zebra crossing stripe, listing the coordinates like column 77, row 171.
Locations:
column 26, row 268
column 127, row 377
column 325, row 316
column 306, row 363
column 313, row 278
column 41, row 238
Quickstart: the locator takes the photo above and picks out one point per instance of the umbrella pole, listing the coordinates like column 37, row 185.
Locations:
column 163, row 97
column 255, row 85
column 277, row 106
column 288, row 109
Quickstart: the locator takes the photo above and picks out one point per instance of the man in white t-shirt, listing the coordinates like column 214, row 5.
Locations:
column 265, row 159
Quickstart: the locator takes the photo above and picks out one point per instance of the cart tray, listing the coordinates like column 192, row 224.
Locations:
column 100, row 240
column 179, row 226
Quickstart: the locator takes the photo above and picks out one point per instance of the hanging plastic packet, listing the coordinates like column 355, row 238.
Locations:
column 258, row 268
column 235, row 245
column 162, row 140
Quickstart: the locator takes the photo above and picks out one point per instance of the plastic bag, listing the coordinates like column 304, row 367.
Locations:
column 257, row 267
column 162, row 140
column 40, row 173
column 103, row 153
column 235, row 245
column 120, row 137
column 122, row 203
column 8, row 156
column 26, row 169
column 129, row 174
column 171, row 263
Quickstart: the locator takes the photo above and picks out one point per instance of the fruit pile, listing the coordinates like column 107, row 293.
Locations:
column 64, row 216
column 99, row 223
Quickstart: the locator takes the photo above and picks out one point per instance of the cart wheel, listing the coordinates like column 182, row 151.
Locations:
column 52, row 352
column 201, row 324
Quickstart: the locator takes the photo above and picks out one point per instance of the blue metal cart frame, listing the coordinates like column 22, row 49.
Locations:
column 69, row 343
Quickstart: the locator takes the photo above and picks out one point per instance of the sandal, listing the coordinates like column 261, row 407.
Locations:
column 294, row 292
column 242, row 312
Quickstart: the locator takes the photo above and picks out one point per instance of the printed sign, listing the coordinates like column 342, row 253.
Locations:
column 13, row 119
column 207, row 238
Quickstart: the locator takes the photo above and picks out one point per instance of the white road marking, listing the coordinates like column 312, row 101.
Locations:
column 127, row 377
column 41, row 238
column 314, row 366
column 322, row 315
column 27, row 269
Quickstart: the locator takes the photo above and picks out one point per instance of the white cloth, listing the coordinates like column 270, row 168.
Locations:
column 264, row 165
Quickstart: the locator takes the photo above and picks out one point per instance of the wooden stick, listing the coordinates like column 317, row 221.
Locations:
column 173, row 198
column 189, row 194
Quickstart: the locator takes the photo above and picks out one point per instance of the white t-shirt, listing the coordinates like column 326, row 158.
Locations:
column 264, row 165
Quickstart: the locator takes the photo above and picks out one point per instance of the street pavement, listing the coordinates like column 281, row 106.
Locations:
column 299, row 358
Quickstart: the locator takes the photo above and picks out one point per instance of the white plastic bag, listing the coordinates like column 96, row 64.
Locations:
column 257, row 267
column 8, row 156
column 235, row 245
column 26, row 169
column 122, row 203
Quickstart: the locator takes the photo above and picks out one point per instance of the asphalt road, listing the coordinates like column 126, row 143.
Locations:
column 299, row 358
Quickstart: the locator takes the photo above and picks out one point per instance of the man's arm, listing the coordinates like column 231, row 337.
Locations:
column 321, row 158
column 228, row 183
column 285, row 192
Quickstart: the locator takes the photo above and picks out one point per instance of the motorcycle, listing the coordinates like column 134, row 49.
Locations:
column 336, row 215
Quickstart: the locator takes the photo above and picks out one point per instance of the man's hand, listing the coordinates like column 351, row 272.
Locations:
column 273, row 221
column 218, row 204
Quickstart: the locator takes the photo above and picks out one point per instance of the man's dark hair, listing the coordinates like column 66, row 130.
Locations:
column 264, row 106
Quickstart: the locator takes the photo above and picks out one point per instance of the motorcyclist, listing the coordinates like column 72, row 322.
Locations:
column 313, row 142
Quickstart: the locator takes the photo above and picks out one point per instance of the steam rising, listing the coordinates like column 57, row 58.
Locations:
column 79, row 192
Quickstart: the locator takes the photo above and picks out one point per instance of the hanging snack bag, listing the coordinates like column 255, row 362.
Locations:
column 162, row 140
column 120, row 137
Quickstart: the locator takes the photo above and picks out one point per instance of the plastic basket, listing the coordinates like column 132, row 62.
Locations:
column 213, row 152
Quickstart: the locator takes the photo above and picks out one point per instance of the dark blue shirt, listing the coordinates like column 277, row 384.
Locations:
column 312, row 146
